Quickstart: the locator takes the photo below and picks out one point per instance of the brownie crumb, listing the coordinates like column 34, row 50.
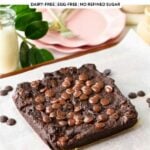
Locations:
column 3, row 119
column 11, row 122
column 141, row 93
column 132, row 95
column 107, row 72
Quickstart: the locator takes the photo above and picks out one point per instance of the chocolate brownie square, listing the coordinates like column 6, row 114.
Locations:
column 72, row 107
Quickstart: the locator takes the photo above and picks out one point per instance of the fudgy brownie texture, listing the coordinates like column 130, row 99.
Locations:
column 72, row 107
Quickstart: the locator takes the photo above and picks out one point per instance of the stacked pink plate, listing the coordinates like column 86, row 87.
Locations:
column 91, row 28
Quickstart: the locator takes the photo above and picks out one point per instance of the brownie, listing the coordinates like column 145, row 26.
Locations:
column 73, row 106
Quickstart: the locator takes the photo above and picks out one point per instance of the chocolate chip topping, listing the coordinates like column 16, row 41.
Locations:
column 8, row 88
column 105, row 101
column 107, row 72
column 108, row 89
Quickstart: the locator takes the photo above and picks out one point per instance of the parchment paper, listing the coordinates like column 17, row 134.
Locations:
column 130, row 63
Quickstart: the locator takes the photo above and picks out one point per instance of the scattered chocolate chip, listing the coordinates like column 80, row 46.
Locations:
column 77, row 108
column 60, row 115
column 95, row 99
column 88, row 119
column 11, row 122
column 39, row 107
column 83, row 97
column 3, row 119
column 96, row 108
column 62, row 123
column 78, row 119
column 108, row 89
column 55, row 105
column 46, row 118
column 8, row 88
column 86, row 90
column 105, row 101
column 98, row 86
column 141, row 93
column 70, row 115
column 39, row 99
column 107, row 72
column 83, row 77
column 65, row 96
column 89, row 83
column 66, row 84
column 62, row 140
column 69, row 91
column 148, row 100
column 48, row 109
column 3, row 92
column 49, row 93
column 99, row 125
column 52, row 115
column 132, row 95
column 102, row 117
column 110, row 111
column 71, row 122
column 77, row 93
column 35, row 84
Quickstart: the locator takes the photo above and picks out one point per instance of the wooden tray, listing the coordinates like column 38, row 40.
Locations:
column 103, row 46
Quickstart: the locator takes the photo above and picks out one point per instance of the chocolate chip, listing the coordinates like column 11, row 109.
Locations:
column 48, row 109
column 71, row 122
column 114, row 116
column 99, row 125
column 65, row 96
column 52, row 115
column 78, row 119
column 148, row 100
column 141, row 93
column 45, row 118
column 39, row 107
column 39, row 99
column 88, row 119
column 98, row 86
column 102, row 117
column 70, row 115
column 94, row 99
column 89, row 83
column 55, row 105
column 83, row 77
column 68, row 79
column 132, row 95
column 77, row 87
column 77, row 93
column 62, row 141
column 3, row 119
column 77, row 108
column 107, row 72
column 62, row 101
column 79, row 82
column 49, row 93
column 3, row 92
column 96, row 108
column 124, row 119
column 8, row 88
column 62, row 123
column 108, row 89
column 60, row 115
column 105, row 101
column 83, row 97
column 11, row 122
column 69, row 91
column 35, row 84
column 110, row 111
column 86, row 90
column 66, row 84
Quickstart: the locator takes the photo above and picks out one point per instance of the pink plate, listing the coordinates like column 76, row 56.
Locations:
column 60, row 48
column 91, row 27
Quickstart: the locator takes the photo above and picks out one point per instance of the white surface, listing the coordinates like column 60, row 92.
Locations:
column 130, row 64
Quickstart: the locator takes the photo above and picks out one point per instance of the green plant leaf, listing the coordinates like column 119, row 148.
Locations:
column 36, row 29
column 20, row 9
column 32, row 56
column 24, row 53
column 23, row 20
column 43, row 55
